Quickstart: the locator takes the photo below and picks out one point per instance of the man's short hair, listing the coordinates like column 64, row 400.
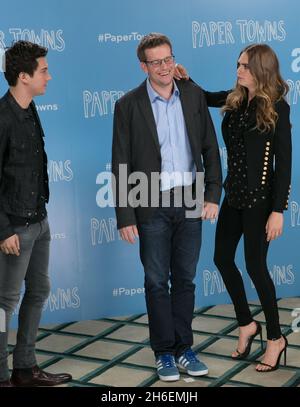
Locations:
column 151, row 40
column 22, row 57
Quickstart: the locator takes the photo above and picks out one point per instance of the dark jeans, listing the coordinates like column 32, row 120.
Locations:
column 31, row 266
column 169, row 249
column 232, row 224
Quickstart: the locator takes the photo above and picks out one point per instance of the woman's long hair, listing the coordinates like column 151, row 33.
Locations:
column 270, row 87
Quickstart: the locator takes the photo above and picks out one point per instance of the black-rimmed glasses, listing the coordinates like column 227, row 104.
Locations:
column 158, row 62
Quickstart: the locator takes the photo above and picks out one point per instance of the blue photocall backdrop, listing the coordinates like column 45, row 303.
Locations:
column 92, row 59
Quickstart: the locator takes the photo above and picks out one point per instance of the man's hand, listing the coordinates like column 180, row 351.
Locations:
column 274, row 226
column 129, row 233
column 210, row 211
column 180, row 72
column 11, row 245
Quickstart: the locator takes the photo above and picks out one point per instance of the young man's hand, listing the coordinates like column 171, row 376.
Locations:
column 11, row 245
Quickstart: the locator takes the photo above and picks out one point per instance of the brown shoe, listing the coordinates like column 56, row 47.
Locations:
column 6, row 383
column 37, row 377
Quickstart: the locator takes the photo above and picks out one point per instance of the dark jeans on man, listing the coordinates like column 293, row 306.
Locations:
column 169, row 249
column 31, row 266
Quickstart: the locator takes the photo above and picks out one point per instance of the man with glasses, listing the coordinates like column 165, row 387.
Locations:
column 164, row 127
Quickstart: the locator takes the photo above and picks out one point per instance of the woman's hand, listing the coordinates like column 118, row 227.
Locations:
column 180, row 72
column 274, row 226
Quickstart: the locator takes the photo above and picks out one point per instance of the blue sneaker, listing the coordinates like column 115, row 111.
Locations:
column 189, row 362
column 166, row 368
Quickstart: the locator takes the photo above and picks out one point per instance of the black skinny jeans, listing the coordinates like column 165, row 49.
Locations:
column 250, row 222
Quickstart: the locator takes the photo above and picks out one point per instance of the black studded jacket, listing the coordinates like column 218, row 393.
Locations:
column 259, row 163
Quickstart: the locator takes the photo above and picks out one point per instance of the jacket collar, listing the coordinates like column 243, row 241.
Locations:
column 22, row 114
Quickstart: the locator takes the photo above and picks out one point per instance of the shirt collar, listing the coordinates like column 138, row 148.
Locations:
column 153, row 95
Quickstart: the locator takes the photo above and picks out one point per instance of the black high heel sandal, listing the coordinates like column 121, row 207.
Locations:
column 243, row 355
column 272, row 368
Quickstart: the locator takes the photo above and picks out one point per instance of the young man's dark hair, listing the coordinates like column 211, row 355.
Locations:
column 151, row 40
column 22, row 57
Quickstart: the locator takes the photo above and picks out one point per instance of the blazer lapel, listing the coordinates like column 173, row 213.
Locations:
column 188, row 113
